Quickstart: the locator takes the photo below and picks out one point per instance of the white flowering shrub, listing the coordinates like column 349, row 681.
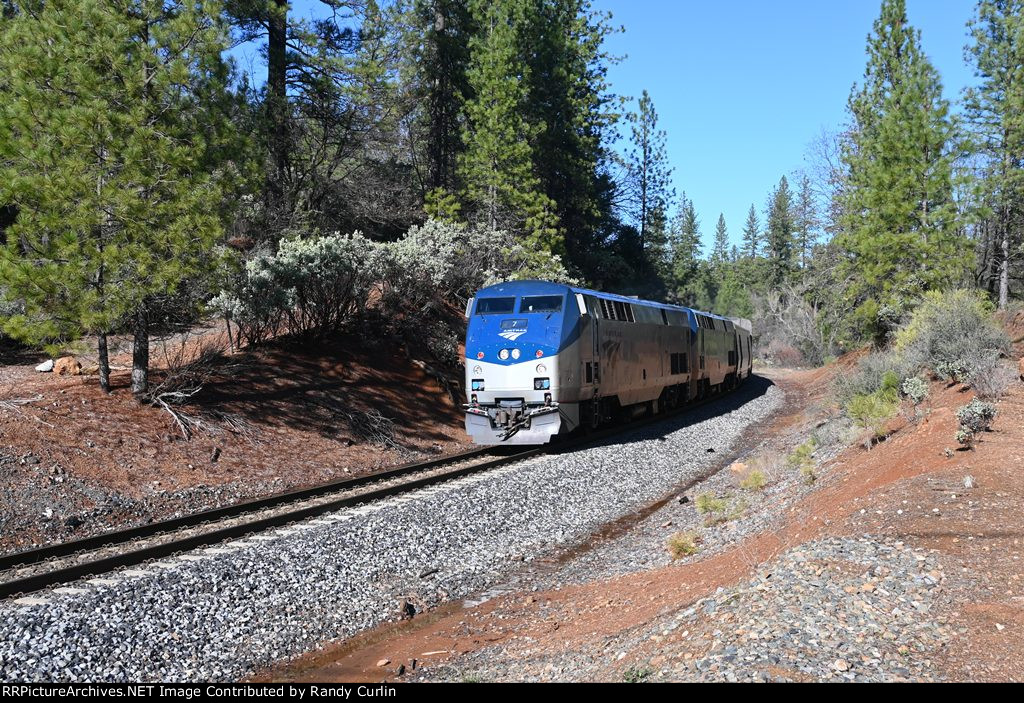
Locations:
column 316, row 284
column 308, row 287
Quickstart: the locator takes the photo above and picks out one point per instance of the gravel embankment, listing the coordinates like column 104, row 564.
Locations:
column 271, row 597
column 836, row 609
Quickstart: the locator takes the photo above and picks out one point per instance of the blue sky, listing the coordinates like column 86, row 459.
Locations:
column 743, row 87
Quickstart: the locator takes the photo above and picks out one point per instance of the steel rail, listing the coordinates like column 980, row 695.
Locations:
column 74, row 572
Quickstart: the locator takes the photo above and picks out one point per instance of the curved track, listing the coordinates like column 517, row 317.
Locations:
column 36, row 569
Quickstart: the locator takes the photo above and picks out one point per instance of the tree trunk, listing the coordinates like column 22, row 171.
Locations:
column 104, row 361
column 277, row 90
column 1004, row 270
column 140, row 353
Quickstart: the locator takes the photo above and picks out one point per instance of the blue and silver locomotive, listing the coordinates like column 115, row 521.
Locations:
column 545, row 358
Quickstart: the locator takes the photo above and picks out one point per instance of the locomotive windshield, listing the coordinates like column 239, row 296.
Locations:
column 541, row 303
column 495, row 306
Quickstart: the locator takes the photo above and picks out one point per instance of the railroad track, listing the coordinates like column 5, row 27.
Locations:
column 35, row 569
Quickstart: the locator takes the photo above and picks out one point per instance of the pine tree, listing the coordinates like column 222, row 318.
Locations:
column 752, row 234
column 995, row 109
column 117, row 191
column 562, row 46
column 328, row 118
column 497, row 170
column 806, row 222
column 780, row 234
column 720, row 250
column 436, row 36
column 685, row 254
column 649, row 173
column 899, row 219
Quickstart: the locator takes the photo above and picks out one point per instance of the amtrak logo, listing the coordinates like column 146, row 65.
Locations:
column 512, row 335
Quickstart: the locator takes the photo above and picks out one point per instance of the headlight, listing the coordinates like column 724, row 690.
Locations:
column 515, row 353
column 541, row 368
column 503, row 354
column 478, row 370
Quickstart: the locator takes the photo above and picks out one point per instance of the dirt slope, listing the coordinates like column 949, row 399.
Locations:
column 74, row 460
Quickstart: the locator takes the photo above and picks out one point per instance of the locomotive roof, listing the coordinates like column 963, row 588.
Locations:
column 533, row 287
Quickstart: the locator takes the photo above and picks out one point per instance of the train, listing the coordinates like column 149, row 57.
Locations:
column 545, row 359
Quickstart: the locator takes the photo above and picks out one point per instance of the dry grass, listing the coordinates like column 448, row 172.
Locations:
column 683, row 544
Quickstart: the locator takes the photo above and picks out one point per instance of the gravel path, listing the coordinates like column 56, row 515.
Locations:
column 223, row 613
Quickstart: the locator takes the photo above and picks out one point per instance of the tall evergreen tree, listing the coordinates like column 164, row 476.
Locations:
column 118, row 190
column 780, row 234
column 996, row 111
column 720, row 249
column 752, row 234
column 436, row 39
column 685, row 251
column 650, row 175
column 806, row 221
column 899, row 219
column 497, row 168
column 562, row 46
column 329, row 115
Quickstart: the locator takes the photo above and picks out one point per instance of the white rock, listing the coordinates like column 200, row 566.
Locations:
column 45, row 367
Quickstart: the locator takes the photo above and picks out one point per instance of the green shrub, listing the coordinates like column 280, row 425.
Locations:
column 636, row 674
column 951, row 333
column 754, row 481
column 802, row 454
column 965, row 437
column 807, row 471
column 871, row 410
column 915, row 388
column 708, row 504
column 977, row 415
column 802, row 459
column 873, row 372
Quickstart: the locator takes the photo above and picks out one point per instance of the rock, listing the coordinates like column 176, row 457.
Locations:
column 1020, row 367
column 45, row 367
column 383, row 662
column 67, row 366
column 841, row 665
column 29, row 460
column 400, row 671
column 406, row 610
column 215, row 455
column 738, row 467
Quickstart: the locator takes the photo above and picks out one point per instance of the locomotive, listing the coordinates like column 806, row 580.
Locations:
column 544, row 359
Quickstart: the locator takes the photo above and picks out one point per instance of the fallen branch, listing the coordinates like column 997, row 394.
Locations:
column 16, row 403
column 184, row 422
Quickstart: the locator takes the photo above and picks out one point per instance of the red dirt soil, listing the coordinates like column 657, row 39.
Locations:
column 272, row 414
column 977, row 533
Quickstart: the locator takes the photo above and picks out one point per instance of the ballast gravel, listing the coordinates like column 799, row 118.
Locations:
column 224, row 614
